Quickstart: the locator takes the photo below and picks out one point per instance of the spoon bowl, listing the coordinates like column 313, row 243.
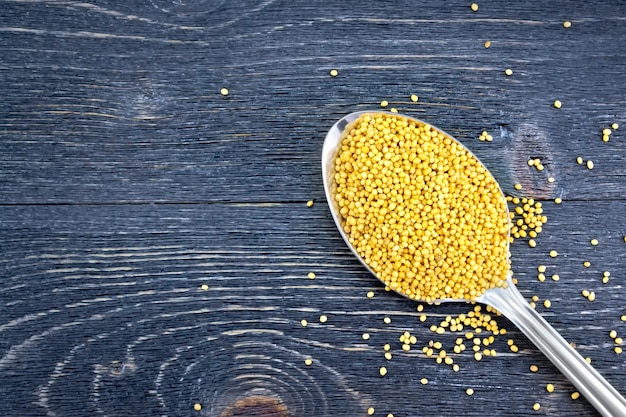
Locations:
column 506, row 299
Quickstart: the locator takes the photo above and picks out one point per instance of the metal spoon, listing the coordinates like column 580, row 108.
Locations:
column 606, row 399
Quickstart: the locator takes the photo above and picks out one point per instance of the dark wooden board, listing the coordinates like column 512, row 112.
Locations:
column 127, row 181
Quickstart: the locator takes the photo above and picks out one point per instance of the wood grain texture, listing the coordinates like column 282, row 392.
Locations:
column 127, row 182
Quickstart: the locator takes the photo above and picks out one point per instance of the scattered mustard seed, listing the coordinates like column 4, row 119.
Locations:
column 553, row 254
column 469, row 391
column 536, row 406
column 323, row 319
column 586, row 264
column 370, row 294
column 388, row 356
column 550, row 180
column 488, row 44
column 508, row 71
column 370, row 411
column 304, row 323
column 382, row 371
column 532, row 243
column 589, row 164
column 334, row 72
column 534, row 368
column 204, row 287
column 384, row 103
column 618, row 340
column 310, row 203
column 311, row 275
column 224, row 91
column 579, row 160
column 567, row 24
column 414, row 98
column 618, row 350
column 550, row 388
column 557, row 200
column 197, row 406
column 557, row 104
column 424, row 381
column 474, row 7
column 365, row 336
column 594, row 242
column 555, row 277
column 575, row 395
column 615, row 126
column 517, row 186
column 308, row 361
column 547, row 303
column 541, row 268
column 387, row 320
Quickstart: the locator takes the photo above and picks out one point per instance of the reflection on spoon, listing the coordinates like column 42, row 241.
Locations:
column 423, row 215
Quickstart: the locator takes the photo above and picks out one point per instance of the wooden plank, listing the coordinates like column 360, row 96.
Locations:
column 108, row 299
column 102, row 107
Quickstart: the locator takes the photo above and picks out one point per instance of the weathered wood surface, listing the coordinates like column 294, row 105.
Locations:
column 127, row 182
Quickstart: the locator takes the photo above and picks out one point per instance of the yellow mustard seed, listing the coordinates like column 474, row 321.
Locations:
column 334, row 72
column 555, row 277
column 547, row 303
column 424, row 381
column 532, row 243
column 478, row 356
column 308, row 361
column 204, row 287
column 575, row 395
column 623, row 317
column 550, row 180
column 423, row 318
column 541, row 268
column 456, row 367
column 534, row 368
column 553, row 254
column 517, row 186
column 514, row 348
column 382, row 371
column 557, row 104
column 531, row 162
column 323, row 318
column 606, row 274
column 197, row 406
column 615, row 126
column 617, row 350
column 387, row 320
column 550, row 388
column 365, row 336
column 589, row 164
column 586, row 264
column 605, row 280
column 310, row 203
column 579, row 160
column 224, row 91
column 406, row 347
column 606, row 138
column 567, row 24
column 469, row 391
column 371, row 411
column 618, row 341
column 488, row 44
column 386, row 347
column 414, row 98
column 474, row 7
column 393, row 110
column 594, row 242
column 304, row 323
column 388, row 356
column 389, row 415
column 508, row 71
column 384, row 103
column 591, row 296
column 420, row 307
column 376, row 155
column 311, row 275
column 557, row 200
column 535, row 298
column 585, row 293
column 536, row 406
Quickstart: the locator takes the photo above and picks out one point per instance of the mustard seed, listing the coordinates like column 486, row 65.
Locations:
column 308, row 362
column 555, row 277
column 557, row 104
column 424, row 381
column 553, row 254
column 384, row 103
column 550, row 179
column 388, row 356
column 594, row 242
column 382, row 371
column 334, row 72
column 536, row 406
column 557, row 200
column 534, row 368
column 474, row 7
column 617, row 350
column 575, row 395
column 197, row 406
column 517, row 186
column 371, row 411
column 567, row 24
column 310, row 203
column 311, row 275
column 586, row 264
column 618, row 341
column 204, row 287
column 508, row 71
column 550, row 388
column 323, row 319
column 224, row 91
column 370, row 294
column 365, row 336
column 304, row 323
column 469, row 391
column 547, row 303
column 387, row 320
column 541, row 268
column 488, row 44
column 615, row 126
column 532, row 243
column 589, row 164
column 414, row 98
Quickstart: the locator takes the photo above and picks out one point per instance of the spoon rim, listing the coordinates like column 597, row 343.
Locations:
column 331, row 145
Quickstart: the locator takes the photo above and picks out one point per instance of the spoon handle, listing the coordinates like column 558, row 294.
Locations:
column 606, row 399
